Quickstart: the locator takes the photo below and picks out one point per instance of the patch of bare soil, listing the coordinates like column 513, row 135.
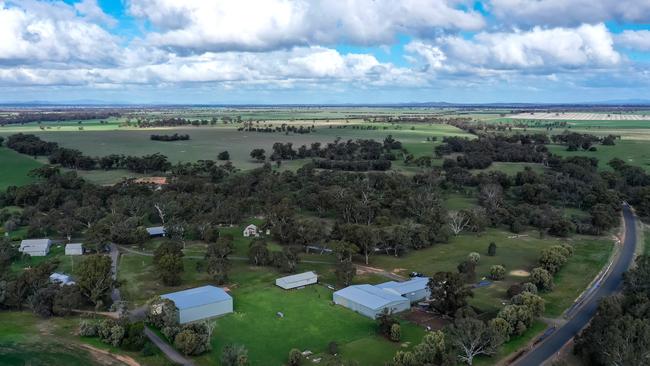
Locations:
column 425, row 319
column 519, row 273
column 109, row 359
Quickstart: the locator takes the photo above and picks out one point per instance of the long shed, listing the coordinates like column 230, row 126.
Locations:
column 370, row 300
column 74, row 249
column 297, row 280
column 200, row 303
column 35, row 247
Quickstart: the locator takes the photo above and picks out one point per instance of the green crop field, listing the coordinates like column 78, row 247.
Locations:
column 14, row 168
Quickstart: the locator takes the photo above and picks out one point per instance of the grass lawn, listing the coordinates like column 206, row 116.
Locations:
column 15, row 167
column 515, row 254
column 310, row 322
column 26, row 339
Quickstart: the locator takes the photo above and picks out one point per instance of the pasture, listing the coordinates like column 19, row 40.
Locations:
column 515, row 253
column 14, row 168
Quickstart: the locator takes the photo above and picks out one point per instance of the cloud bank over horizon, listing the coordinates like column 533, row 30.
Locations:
column 317, row 51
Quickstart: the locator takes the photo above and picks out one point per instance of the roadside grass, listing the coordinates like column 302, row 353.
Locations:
column 587, row 261
column 14, row 168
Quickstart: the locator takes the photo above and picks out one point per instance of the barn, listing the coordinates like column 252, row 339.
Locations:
column 156, row 231
column 297, row 280
column 415, row 289
column 74, row 249
column 35, row 247
column 370, row 300
column 200, row 303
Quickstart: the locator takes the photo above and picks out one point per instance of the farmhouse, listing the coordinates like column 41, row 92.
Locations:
column 200, row 303
column 35, row 247
column 370, row 300
column 251, row 230
column 61, row 279
column 415, row 290
column 156, row 231
column 74, row 249
column 297, row 280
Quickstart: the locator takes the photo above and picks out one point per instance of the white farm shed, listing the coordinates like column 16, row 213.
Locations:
column 251, row 230
column 370, row 300
column 200, row 303
column 415, row 289
column 74, row 249
column 35, row 247
column 156, row 231
column 297, row 280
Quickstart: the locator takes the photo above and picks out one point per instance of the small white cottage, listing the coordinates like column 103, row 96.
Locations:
column 251, row 230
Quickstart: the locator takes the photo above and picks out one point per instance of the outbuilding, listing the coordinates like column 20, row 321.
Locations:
column 370, row 300
column 416, row 289
column 251, row 230
column 156, row 231
column 297, row 280
column 200, row 303
column 35, row 247
column 74, row 249
column 61, row 279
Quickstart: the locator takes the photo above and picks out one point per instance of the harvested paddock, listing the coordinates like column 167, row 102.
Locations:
column 580, row 116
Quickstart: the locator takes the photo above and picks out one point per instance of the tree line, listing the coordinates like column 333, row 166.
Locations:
column 174, row 137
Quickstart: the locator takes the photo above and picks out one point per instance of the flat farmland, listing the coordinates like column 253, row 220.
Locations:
column 581, row 116
column 207, row 142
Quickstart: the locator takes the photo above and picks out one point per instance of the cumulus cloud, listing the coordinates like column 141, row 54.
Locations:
column 249, row 25
column 540, row 50
column 637, row 40
column 34, row 32
column 569, row 12
column 93, row 12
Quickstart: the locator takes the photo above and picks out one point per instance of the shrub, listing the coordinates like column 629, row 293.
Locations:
column 474, row 257
column 88, row 329
column 497, row 272
column 492, row 249
column 542, row 278
column 295, row 357
column 529, row 287
column 514, row 290
column 395, row 332
column 333, row 348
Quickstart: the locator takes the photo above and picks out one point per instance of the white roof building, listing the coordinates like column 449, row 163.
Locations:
column 200, row 303
column 74, row 249
column 297, row 280
column 62, row 279
column 35, row 247
column 370, row 300
column 415, row 289
column 251, row 230
column 156, row 231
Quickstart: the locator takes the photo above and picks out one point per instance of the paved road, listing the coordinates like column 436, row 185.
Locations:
column 611, row 284
column 168, row 350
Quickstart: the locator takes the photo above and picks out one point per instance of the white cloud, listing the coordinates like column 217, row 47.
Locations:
column 35, row 32
column 540, row 50
column 93, row 12
column 569, row 12
column 251, row 25
column 637, row 40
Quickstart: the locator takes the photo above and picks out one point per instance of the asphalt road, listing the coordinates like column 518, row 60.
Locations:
column 611, row 284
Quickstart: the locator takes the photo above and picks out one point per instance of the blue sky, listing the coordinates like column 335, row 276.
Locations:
column 319, row 51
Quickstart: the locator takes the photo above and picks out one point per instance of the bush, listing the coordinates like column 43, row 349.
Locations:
column 88, row 329
column 295, row 357
column 333, row 348
column 514, row 290
column 492, row 249
column 149, row 349
column 497, row 272
column 224, row 155
column 234, row 355
column 529, row 287
column 541, row 278
column 474, row 257
column 134, row 339
column 395, row 332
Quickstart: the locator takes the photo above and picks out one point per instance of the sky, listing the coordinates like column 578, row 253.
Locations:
column 324, row 51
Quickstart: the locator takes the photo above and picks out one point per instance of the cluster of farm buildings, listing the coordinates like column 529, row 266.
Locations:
column 209, row 301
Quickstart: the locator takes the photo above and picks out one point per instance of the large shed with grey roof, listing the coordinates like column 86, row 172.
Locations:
column 35, row 247
column 370, row 300
column 297, row 280
column 200, row 303
column 415, row 289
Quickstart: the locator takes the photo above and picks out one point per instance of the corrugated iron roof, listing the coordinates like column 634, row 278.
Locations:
column 197, row 296
column 412, row 285
column 369, row 296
